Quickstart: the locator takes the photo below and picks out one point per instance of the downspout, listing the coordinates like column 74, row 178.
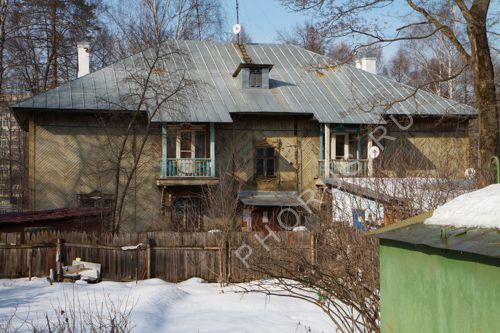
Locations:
column 212, row 150
column 360, row 145
column 321, row 142
column 31, row 161
column 163, row 166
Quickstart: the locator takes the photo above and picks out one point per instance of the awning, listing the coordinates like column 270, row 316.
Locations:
column 276, row 199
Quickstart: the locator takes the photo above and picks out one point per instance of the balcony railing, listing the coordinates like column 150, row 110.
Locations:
column 186, row 167
column 344, row 168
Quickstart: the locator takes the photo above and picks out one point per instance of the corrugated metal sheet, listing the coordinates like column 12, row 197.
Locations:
column 301, row 82
column 472, row 240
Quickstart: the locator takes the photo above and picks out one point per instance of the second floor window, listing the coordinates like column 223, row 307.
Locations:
column 266, row 162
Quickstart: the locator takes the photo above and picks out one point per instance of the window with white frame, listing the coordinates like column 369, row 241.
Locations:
column 345, row 146
column 186, row 143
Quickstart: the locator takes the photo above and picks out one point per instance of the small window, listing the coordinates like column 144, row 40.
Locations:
column 95, row 199
column 265, row 217
column 255, row 78
column 266, row 162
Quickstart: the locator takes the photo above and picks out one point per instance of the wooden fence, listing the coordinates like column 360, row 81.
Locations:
column 171, row 256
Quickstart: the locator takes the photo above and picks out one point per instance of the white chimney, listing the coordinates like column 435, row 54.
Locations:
column 368, row 64
column 83, row 58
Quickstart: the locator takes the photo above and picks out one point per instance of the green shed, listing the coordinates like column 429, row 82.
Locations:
column 440, row 273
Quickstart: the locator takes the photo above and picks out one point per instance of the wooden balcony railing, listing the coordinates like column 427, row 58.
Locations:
column 344, row 168
column 186, row 167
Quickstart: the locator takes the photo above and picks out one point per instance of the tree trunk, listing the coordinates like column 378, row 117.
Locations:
column 484, row 89
column 53, row 60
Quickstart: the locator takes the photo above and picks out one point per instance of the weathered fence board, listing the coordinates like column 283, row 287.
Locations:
column 172, row 256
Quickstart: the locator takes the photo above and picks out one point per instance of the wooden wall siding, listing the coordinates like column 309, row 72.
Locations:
column 71, row 160
column 173, row 256
column 236, row 148
column 439, row 150
column 73, row 156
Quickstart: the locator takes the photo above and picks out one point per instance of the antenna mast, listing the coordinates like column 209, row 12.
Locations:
column 238, row 19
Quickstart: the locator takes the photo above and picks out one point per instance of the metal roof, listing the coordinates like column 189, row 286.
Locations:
column 471, row 240
column 274, row 199
column 301, row 82
column 348, row 186
column 48, row 215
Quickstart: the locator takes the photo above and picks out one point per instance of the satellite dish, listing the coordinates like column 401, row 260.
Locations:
column 236, row 29
column 374, row 152
column 470, row 173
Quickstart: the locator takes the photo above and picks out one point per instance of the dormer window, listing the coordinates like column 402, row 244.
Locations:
column 255, row 80
column 253, row 75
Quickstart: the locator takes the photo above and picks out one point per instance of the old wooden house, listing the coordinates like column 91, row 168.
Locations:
column 274, row 118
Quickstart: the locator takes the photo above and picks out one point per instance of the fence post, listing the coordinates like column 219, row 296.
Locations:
column 148, row 258
column 30, row 260
column 313, row 249
column 58, row 260
column 222, row 263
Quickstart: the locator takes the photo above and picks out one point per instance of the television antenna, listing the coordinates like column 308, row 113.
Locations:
column 237, row 26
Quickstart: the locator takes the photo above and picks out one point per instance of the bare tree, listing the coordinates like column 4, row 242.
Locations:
column 42, row 52
column 221, row 202
column 307, row 36
column 148, row 98
column 399, row 66
column 350, row 18
column 341, row 53
column 136, row 25
column 340, row 275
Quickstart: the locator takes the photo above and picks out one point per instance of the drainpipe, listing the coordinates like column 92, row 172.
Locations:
column 163, row 166
column 327, row 151
column 321, row 142
column 212, row 150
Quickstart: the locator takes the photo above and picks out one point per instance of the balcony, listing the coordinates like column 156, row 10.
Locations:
column 344, row 168
column 186, row 171
column 185, row 167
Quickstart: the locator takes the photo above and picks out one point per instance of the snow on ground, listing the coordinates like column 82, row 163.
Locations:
column 158, row 306
column 479, row 209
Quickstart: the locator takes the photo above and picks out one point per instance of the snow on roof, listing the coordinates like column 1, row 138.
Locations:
column 478, row 209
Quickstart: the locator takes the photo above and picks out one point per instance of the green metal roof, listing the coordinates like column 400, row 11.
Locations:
column 301, row 82
column 480, row 241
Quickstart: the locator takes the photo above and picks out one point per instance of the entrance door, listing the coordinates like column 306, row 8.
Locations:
column 340, row 146
column 186, row 214
column 345, row 153
column 186, row 153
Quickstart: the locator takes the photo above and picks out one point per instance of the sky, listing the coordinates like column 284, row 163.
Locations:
column 261, row 18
